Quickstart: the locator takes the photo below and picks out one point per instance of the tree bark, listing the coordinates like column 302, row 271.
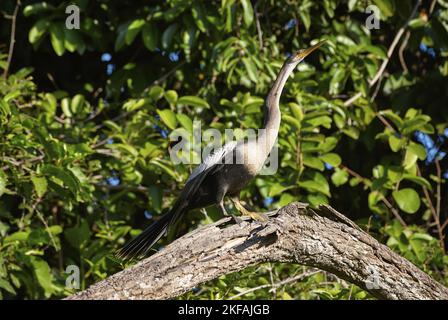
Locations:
column 321, row 238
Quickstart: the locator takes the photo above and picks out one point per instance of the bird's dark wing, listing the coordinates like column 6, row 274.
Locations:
column 212, row 160
column 139, row 246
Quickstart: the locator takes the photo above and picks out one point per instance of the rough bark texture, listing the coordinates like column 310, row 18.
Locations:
column 321, row 238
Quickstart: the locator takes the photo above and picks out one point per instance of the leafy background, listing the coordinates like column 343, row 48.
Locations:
column 86, row 117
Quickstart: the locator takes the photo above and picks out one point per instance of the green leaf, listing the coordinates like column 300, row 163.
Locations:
column 165, row 168
column 296, row 111
column 416, row 123
column 12, row 95
column 306, row 18
column 37, row 8
column 17, row 236
column 57, row 37
column 396, row 143
column 251, row 69
column 124, row 149
column 339, row 177
column 328, row 144
column 332, row 159
column 317, row 199
column 120, row 41
column 38, row 30
column 55, row 229
column 79, row 235
column 248, row 12
column 318, row 183
column 387, row 7
column 168, row 117
column 337, row 81
column 171, row 96
column 150, row 36
column 376, row 50
column 65, row 106
column 77, row 103
column 193, row 101
column 5, row 109
column 5, row 285
column 40, row 185
column 167, row 36
column 407, row 199
column 417, row 23
column 419, row 180
column 156, row 196
column 185, row 121
column 72, row 40
column 3, row 183
column 43, row 274
column 197, row 12
column 324, row 121
column 63, row 175
column 313, row 162
column 292, row 121
column 156, row 93
column 410, row 158
column 418, row 150
column 313, row 186
column 133, row 30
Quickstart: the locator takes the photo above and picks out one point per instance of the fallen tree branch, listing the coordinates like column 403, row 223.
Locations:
column 321, row 238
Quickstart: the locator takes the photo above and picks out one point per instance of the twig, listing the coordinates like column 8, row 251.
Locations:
column 385, row 122
column 401, row 50
column 438, row 200
column 353, row 173
column 390, row 51
column 432, row 6
column 445, row 225
column 394, row 211
column 276, row 285
column 271, row 278
column 377, row 90
column 139, row 188
column 428, row 198
column 438, row 192
column 257, row 23
column 12, row 39
column 19, row 163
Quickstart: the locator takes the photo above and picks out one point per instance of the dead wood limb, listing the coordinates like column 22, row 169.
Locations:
column 321, row 238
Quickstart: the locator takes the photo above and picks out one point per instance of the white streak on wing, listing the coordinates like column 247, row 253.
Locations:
column 213, row 159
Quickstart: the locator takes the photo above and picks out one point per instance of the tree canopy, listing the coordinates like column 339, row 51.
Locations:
column 87, row 118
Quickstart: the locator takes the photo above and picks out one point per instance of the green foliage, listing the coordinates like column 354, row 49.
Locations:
column 85, row 142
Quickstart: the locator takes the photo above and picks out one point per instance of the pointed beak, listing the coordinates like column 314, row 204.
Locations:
column 302, row 54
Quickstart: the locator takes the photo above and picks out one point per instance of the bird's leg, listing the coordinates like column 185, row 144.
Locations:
column 226, row 214
column 259, row 216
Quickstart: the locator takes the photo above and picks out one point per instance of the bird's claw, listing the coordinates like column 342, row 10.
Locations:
column 258, row 216
column 237, row 220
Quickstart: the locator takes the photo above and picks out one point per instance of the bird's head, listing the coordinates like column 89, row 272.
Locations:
column 298, row 57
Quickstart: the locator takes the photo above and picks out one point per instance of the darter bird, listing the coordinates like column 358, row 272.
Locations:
column 217, row 177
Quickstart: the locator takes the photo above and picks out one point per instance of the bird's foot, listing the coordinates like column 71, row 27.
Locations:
column 237, row 220
column 258, row 216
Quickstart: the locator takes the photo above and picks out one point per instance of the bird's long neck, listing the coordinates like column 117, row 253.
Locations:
column 272, row 115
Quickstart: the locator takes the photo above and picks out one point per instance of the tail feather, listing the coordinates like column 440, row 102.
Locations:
column 140, row 246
